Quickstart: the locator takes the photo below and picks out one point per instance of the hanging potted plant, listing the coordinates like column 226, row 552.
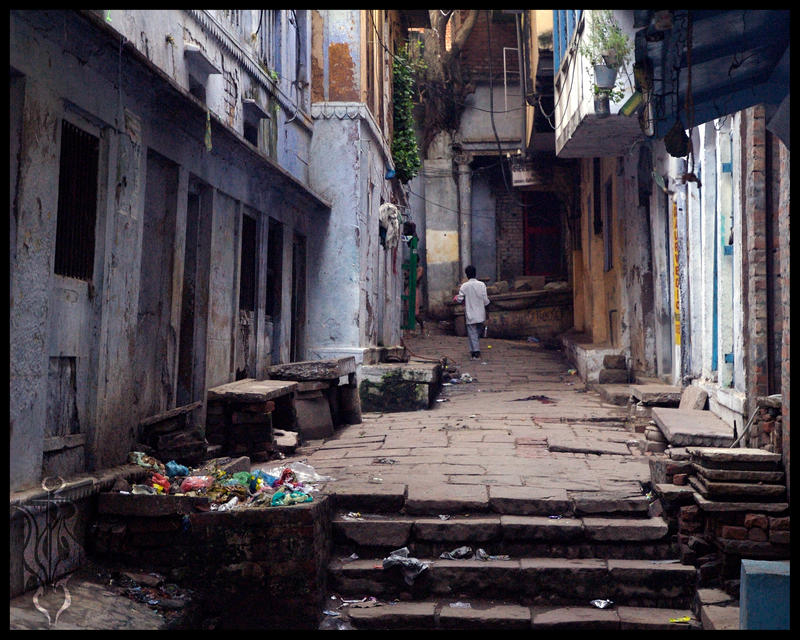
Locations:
column 608, row 48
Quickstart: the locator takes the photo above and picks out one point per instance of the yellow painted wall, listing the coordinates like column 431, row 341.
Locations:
column 600, row 288
column 441, row 246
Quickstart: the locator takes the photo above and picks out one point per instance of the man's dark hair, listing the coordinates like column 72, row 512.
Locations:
column 470, row 271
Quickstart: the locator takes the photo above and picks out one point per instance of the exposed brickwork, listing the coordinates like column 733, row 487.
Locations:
column 754, row 257
column 715, row 541
column 510, row 250
column 258, row 567
column 474, row 53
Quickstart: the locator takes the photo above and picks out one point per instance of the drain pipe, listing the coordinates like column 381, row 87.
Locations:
column 749, row 422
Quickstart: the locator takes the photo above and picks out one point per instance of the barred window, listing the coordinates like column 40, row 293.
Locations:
column 77, row 203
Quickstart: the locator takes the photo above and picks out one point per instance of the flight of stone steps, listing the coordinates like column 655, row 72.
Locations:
column 534, row 565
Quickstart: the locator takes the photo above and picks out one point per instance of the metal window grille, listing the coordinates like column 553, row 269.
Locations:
column 77, row 203
column 230, row 96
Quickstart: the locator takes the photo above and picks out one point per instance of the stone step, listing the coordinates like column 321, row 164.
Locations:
column 540, row 581
column 510, row 500
column 504, row 534
column 689, row 427
column 482, row 614
column 656, row 394
column 617, row 394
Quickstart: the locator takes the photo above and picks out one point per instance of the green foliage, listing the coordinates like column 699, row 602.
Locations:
column 605, row 39
column 405, row 152
column 615, row 95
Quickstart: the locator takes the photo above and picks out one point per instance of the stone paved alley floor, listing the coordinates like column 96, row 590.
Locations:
column 524, row 427
column 524, row 421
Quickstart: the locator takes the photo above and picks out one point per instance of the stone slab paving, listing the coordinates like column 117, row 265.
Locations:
column 91, row 606
column 687, row 427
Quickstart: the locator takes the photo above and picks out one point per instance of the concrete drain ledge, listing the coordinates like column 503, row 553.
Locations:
column 251, row 567
column 77, row 487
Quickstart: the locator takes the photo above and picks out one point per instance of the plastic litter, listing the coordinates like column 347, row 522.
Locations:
column 142, row 489
column 353, row 515
column 572, row 372
column 457, row 554
column 195, row 483
column 335, row 624
column 143, row 460
column 444, row 517
column 230, row 504
column 376, row 480
column 555, row 517
column 602, row 604
column 385, row 461
column 533, row 339
column 480, row 554
column 328, row 612
column 461, row 605
column 174, row 469
column 412, row 567
column 281, row 498
column 682, row 619
column 303, row 472
column 159, row 483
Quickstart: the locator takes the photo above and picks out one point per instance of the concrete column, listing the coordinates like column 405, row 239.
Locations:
column 464, row 210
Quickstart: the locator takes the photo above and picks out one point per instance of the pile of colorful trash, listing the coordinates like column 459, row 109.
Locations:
column 283, row 485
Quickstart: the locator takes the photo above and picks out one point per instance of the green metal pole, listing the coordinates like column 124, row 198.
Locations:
column 412, row 285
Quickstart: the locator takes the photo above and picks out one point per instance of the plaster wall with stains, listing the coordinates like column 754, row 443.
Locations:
column 66, row 68
column 355, row 288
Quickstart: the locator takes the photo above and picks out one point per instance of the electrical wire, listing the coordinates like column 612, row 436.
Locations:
column 491, row 107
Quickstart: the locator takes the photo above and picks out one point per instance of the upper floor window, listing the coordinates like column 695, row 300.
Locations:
column 77, row 203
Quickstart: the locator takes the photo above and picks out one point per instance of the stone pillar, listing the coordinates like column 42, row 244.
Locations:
column 441, row 227
column 783, row 234
column 464, row 211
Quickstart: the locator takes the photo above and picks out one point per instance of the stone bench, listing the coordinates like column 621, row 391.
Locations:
column 401, row 386
column 322, row 399
column 173, row 435
column 241, row 415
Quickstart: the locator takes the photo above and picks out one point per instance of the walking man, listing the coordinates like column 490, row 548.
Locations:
column 473, row 294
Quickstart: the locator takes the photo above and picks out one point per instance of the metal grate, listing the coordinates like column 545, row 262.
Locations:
column 77, row 203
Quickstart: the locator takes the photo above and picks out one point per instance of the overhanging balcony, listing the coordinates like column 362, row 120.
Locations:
column 580, row 131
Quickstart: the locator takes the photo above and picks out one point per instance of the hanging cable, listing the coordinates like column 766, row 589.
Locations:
column 491, row 109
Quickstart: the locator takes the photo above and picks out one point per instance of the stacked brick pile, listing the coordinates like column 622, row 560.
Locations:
column 172, row 435
column 740, row 512
column 250, row 568
column 766, row 431
column 241, row 428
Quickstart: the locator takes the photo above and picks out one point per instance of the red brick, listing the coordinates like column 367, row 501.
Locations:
column 779, row 537
column 680, row 479
column 756, row 520
column 757, row 534
column 733, row 533
column 779, row 524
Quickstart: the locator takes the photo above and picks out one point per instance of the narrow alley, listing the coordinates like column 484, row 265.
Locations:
column 399, row 318
column 517, row 444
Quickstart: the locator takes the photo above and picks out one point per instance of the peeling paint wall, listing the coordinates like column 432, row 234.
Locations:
column 355, row 285
column 90, row 346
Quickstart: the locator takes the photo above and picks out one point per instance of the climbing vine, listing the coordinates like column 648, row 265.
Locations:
column 405, row 152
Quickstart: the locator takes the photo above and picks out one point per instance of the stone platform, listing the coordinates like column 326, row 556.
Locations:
column 689, row 427
column 399, row 386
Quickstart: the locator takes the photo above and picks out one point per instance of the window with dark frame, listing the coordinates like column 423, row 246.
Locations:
column 247, row 277
column 77, row 203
